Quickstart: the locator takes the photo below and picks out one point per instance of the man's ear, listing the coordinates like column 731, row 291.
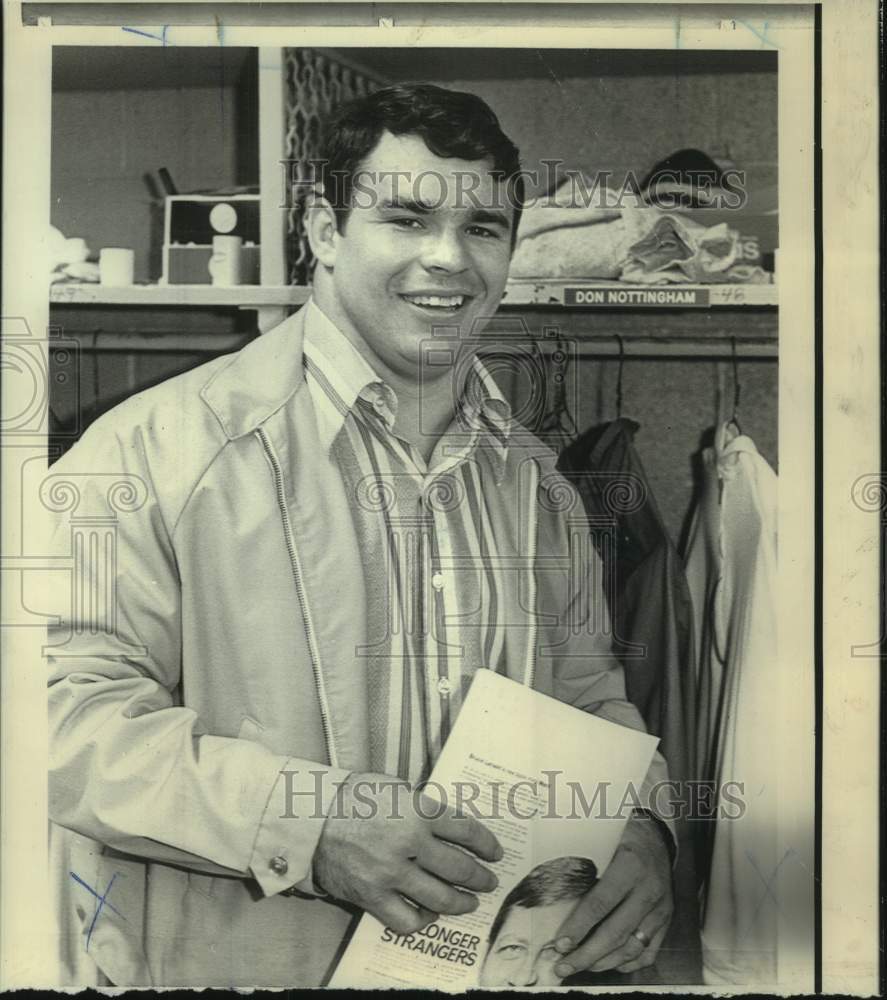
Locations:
column 321, row 229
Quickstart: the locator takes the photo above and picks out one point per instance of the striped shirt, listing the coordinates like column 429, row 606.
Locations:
column 433, row 587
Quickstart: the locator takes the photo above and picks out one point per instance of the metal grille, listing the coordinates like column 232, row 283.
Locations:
column 316, row 82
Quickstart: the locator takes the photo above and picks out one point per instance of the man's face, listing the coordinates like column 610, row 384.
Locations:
column 427, row 243
column 523, row 953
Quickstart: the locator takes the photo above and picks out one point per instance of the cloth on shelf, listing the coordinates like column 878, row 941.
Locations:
column 680, row 250
column 577, row 229
column 731, row 571
column 617, row 237
column 577, row 201
column 587, row 248
column 68, row 258
column 694, row 186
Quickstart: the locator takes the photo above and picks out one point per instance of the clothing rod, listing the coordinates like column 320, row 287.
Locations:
column 168, row 343
column 717, row 348
column 652, row 348
column 595, row 346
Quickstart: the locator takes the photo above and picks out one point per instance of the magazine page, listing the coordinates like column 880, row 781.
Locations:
column 556, row 806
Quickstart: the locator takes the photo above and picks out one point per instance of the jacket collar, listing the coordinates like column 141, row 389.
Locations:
column 258, row 379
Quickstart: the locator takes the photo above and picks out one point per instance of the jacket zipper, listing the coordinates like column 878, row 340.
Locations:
column 303, row 601
column 533, row 519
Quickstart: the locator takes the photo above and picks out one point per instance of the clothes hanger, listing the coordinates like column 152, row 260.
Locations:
column 560, row 420
column 620, row 396
column 562, row 406
column 619, row 375
column 737, row 388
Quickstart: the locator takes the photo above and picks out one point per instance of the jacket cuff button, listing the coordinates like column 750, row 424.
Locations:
column 279, row 865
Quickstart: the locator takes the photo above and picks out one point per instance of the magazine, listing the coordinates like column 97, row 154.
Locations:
column 551, row 782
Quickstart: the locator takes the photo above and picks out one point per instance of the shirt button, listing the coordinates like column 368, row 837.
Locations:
column 379, row 403
column 444, row 686
column 279, row 865
column 437, row 581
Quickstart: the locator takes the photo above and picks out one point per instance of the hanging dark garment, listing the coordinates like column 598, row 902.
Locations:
column 645, row 586
column 653, row 636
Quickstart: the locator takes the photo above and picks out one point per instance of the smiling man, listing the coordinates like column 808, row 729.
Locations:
column 426, row 245
column 324, row 537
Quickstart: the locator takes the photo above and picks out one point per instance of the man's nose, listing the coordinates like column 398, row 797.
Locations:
column 524, row 974
column 444, row 252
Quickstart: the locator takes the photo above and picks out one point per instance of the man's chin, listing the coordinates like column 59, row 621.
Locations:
column 430, row 351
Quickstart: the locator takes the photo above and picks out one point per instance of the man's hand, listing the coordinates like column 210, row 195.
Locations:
column 378, row 850
column 628, row 911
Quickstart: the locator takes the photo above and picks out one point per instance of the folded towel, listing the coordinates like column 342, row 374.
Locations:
column 635, row 244
column 594, row 245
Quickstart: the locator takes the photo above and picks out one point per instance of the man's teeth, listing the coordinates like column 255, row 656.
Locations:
column 440, row 301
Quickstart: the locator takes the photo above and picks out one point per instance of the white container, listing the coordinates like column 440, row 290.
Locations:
column 116, row 266
column 225, row 263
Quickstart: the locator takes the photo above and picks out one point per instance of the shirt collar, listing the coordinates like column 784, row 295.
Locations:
column 484, row 410
column 341, row 376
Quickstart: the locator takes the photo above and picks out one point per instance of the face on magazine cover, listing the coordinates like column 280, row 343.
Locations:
column 523, row 953
column 522, row 949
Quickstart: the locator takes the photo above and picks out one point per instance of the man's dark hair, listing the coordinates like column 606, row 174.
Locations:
column 450, row 122
column 550, row 882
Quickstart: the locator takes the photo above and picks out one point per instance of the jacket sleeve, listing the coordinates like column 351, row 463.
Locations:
column 130, row 765
column 578, row 638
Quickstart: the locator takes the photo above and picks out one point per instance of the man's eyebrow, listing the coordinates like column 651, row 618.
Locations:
column 406, row 205
column 491, row 218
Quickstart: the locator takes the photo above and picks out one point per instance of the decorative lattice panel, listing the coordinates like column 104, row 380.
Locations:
column 316, row 82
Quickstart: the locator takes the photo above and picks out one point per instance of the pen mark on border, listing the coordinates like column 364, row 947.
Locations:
column 147, row 34
column 102, row 902
column 769, row 882
column 762, row 34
